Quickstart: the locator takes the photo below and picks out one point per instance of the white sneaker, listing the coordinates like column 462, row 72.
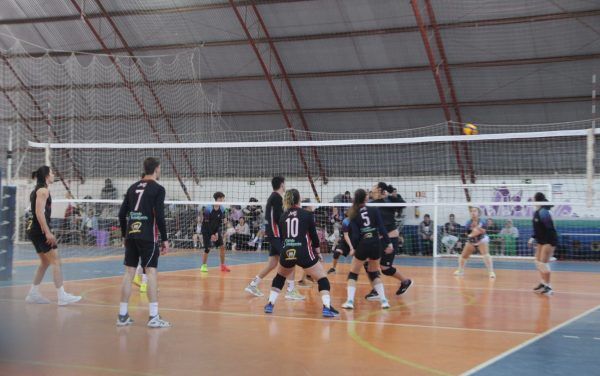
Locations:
column 157, row 322
column 124, row 320
column 68, row 299
column 492, row 275
column 349, row 304
column 36, row 298
column 253, row 290
column 294, row 295
column 459, row 272
column 385, row 304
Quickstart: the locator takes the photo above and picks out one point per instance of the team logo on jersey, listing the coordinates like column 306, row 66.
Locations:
column 368, row 235
column 290, row 254
column 135, row 228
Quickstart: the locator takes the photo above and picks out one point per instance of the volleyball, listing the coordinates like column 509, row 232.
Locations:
column 470, row 129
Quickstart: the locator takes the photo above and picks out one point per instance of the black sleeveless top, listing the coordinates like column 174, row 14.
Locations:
column 33, row 226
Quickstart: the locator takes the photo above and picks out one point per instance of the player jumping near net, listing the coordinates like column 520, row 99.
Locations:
column 300, row 246
column 544, row 234
column 366, row 226
column 212, row 231
column 273, row 212
column 477, row 240
column 141, row 215
column 40, row 234
column 383, row 193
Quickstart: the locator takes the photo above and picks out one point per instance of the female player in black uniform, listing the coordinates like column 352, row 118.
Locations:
column 544, row 233
column 366, row 226
column 40, row 234
column 300, row 246
column 383, row 193
column 341, row 248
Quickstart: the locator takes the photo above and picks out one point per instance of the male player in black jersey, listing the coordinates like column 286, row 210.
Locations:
column 40, row 234
column 273, row 212
column 300, row 246
column 383, row 193
column 142, row 214
column 212, row 231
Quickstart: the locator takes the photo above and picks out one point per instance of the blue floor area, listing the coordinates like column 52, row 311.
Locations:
column 573, row 349
column 110, row 268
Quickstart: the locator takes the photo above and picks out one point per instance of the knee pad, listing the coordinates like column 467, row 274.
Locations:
column 353, row 276
column 323, row 284
column 207, row 251
column 542, row 267
column 373, row 275
column 389, row 271
column 278, row 281
column 336, row 255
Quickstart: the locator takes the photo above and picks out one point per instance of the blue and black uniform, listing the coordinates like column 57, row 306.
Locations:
column 480, row 239
column 544, row 231
column 365, row 230
column 342, row 245
column 142, row 220
column 273, row 212
column 388, row 216
column 34, row 230
column 299, row 239
column 212, row 223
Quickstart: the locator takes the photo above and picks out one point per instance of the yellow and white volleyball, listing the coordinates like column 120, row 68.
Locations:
column 470, row 129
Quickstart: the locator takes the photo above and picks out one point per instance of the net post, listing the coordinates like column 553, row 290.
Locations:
column 591, row 140
column 435, row 222
column 9, row 157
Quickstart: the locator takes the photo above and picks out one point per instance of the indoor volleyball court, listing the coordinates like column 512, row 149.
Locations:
column 299, row 187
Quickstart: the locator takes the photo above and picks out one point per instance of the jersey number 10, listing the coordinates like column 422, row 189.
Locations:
column 292, row 227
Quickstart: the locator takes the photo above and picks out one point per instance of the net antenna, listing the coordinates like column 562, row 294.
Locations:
column 591, row 149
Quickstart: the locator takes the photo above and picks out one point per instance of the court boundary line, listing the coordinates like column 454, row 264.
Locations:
column 513, row 350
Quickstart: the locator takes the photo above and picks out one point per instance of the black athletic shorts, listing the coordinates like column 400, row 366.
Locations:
column 552, row 240
column 208, row 243
column 39, row 242
column 275, row 246
column 141, row 252
column 342, row 246
column 368, row 249
column 388, row 259
column 301, row 256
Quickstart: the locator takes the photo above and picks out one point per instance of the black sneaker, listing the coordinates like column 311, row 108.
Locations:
column 372, row 296
column 539, row 288
column 404, row 286
column 547, row 290
column 124, row 320
column 331, row 271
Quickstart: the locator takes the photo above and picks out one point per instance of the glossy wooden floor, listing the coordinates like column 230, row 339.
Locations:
column 443, row 325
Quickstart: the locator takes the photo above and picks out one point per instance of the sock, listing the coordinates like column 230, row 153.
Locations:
column 273, row 296
column 351, row 292
column 255, row 281
column 60, row 291
column 144, row 279
column 380, row 290
column 153, row 307
column 35, row 289
column 326, row 298
column 291, row 285
column 123, row 309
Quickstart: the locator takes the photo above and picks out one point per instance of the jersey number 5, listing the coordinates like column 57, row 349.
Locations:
column 365, row 217
column 140, row 193
column 292, row 227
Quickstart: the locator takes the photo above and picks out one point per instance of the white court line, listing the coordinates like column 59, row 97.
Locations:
column 572, row 337
column 262, row 316
column 528, row 342
column 121, row 275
